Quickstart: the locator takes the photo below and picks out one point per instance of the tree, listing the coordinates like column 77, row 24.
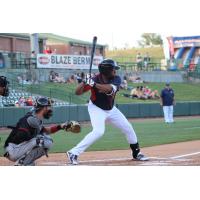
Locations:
column 149, row 39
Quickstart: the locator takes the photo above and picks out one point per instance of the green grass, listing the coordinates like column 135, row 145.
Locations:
column 149, row 133
column 183, row 92
column 129, row 55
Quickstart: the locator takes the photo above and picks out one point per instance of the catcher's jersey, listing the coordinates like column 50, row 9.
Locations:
column 103, row 100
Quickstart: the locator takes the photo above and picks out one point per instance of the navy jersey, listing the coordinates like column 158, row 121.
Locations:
column 167, row 96
column 103, row 100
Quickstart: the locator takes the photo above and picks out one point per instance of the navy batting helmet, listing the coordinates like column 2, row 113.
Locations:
column 107, row 65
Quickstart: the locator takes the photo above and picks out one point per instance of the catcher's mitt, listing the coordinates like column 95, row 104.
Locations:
column 72, row 126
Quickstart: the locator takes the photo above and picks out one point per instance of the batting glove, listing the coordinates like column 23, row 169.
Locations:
column 89, row 81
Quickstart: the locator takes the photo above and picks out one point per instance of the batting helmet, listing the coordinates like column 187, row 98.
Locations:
column 107, row 65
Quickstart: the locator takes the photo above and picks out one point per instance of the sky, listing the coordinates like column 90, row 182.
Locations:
column 117, row 23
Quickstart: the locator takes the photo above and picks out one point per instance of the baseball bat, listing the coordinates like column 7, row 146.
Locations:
column 92, row 54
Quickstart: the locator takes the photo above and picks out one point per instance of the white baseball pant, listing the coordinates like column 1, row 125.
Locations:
column 168, row 113
column 98, row 118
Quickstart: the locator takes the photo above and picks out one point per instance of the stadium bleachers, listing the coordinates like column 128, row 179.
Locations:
column 15, row 95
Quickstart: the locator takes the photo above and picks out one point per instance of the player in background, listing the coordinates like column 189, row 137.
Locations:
column 4, row 91
column 167, row 101
column 104, row 87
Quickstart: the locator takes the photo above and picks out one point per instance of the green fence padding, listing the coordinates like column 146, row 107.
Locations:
column 124, row 108
column 11, row 115
column 155, row 110
column 1, row 117
column 82, row 114
column 134, row 110
column 182, row 109
column 144, row 110
column 72, row 113
column 195, row 108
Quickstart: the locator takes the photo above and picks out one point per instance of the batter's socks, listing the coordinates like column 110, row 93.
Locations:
column 135, row 149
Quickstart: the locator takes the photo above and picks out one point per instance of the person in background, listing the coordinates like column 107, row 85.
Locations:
column 124, row 84
column 4, row 91
column 167, row 101
column 146, row 60
column 139, row 61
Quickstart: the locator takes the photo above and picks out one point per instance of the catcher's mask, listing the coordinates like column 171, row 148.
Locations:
column 107, row 66
column 4, row 84
column 44, row 102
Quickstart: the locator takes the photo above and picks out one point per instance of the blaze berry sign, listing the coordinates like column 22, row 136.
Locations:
column 67, row 61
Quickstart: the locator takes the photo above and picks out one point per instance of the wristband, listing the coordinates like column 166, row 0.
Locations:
column 55, row 128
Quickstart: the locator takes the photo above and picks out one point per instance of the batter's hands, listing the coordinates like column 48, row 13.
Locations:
column 89, row 81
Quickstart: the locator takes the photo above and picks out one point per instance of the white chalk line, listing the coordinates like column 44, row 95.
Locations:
column 196, row 127
column 185, row 155
column 164, row 160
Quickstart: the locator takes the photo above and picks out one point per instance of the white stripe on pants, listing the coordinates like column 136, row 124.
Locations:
column 168, row 113
column 98, row 118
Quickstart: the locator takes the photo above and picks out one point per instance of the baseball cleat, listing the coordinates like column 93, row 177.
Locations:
column 72, row 158
column 141, row 157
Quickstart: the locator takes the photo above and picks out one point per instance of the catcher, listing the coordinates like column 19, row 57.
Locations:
column 30, row 140
column 4, row 91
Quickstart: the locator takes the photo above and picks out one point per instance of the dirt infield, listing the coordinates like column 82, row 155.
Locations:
column 179, row 154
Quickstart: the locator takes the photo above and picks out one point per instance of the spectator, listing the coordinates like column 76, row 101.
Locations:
column 146, row 60
column 29, row 101
column 80, row 77
column 47, row 50
column 54, row 51
column 139, row 61
column 167, row 102
column 21, row 102
column 154, row 95
column 71, row 79
column 135, row 92
column 59, row 79
column 52, row 76
column 124, row 84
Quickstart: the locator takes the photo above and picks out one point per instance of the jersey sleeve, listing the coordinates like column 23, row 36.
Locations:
column 86, row 88
column 33, row 122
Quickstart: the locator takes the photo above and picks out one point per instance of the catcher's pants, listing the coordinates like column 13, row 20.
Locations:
column 168, row 113
column 17, row 151
column 98, row 118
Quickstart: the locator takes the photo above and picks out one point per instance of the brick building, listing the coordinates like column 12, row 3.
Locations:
column 65, row 45
column 18, row 43
column 16, row 47
column 21, row 43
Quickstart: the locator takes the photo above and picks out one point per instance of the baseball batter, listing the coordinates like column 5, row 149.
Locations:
column 104, row 87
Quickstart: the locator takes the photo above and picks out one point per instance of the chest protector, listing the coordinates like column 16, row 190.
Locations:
column 22, row 132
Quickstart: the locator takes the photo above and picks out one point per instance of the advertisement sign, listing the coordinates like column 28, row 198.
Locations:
column 67, row 61
column 171, row 45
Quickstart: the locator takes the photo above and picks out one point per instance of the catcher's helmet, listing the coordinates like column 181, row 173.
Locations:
column 107, row 65
column 41, row 102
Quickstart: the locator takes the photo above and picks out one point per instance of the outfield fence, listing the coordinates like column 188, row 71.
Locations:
column 10, row 116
